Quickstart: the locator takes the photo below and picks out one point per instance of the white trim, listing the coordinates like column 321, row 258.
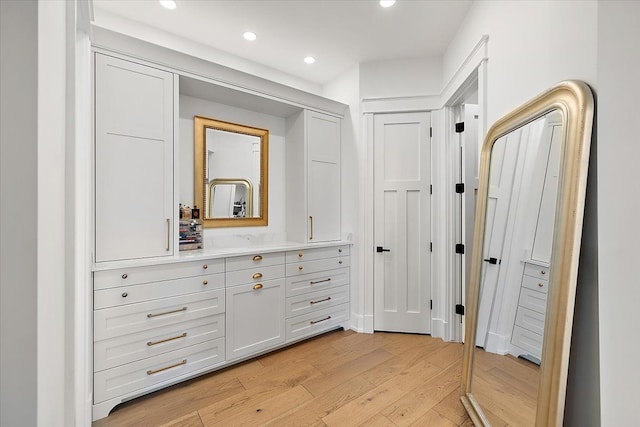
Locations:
column 368, row 224
column 403, row 104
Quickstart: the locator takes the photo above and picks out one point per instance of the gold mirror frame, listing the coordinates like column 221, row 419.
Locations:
column 201, row 187
column 574, row 100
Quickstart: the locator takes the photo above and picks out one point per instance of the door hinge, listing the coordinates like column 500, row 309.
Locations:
column 430, row 189
column 430, row 304
column 430, row 246
column 460, row 127
column 430, row 132
column 460, row 309
column 460, row 187
column 459, row 248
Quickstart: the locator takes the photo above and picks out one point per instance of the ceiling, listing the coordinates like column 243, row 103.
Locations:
column 338, row 33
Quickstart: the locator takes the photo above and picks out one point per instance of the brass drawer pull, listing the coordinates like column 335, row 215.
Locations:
column 300, row 254
column 257, row 286
column 339, row 251
column 300, row 268
column 257, row 276
column 313, row 322
column 340, row 262
column 167, row 312
column 321, row 300
column 540, row 285
column 257, row 258
column 150, row 343
column 124, row 276
column 205, row 282
column 320, row 281
column 543, row 272
column 311, row 221
column 205, row 266
column 124, row 295
column 184, row 362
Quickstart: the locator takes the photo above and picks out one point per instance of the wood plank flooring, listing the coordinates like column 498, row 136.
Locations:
column 338, row 379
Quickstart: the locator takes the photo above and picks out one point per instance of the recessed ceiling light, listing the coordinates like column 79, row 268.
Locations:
column 387, row 3
column 309, row 59
column 169, row 4
column 249, row 36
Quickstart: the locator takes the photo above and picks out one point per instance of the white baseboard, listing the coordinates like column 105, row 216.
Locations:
column 497, row 343
column 362, row 323
column 439, row 329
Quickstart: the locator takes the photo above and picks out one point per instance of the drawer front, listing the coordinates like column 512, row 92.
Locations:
column 527, row 340
column 314, row 301
column 141, row 345
column 131, row 318
column 153, row 273
column 301, row 268
column 530, row 320
column 255, row 275
column 316, row 253
column 316, row 281
column 536, row 301
column 535, row 283
column 256, row 260
column 536, row 271
column 113, row 297
column 145, row 373
column 312, row 323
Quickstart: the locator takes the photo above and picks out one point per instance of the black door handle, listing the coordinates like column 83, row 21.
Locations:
column 492, row 260
column 381, row 249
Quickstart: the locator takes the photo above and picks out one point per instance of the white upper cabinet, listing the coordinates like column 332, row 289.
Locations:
column 313, row 177
column 133, row 160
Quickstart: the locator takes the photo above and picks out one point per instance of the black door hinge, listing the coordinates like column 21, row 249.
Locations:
column 460, row 127
column 430, row 132
column 459, row 248
column 430, row 246
column 430, row 189
column 460, row 187
column 460, row 309
column 430, row 304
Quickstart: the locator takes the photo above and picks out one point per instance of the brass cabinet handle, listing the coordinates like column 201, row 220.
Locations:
column 311, row 220
column 300, row 268
column 150, row 343
column 320, row 300
column 124, row 295
column 543, row 272
column 184, row 362
column 205, row 282
column 257, row 258
column 313, row 322
column 124, row 276
column 257, row 286
column 540, row 285
column 320, row 281
column 300, row 254
column 168, row 233
column 166, row 312
column 205, row 266
column 257, row 275
column 340, row 262
column 339, row 251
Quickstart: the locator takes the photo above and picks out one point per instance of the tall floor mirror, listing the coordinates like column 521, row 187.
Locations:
column 520, row 302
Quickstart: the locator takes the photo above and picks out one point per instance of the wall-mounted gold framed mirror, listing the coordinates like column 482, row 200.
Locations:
column 528, row 226
column 231, row 168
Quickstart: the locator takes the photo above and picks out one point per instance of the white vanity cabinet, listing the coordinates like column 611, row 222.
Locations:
column 134, row 136
column 313, row 177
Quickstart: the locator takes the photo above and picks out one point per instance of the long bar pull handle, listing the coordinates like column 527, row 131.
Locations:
column 150, row 372
column 150, row 315
column 320, row 300
column 320, row 281
column 311, row 221
column 168, row 233
column 150, row 343
column 313, row 322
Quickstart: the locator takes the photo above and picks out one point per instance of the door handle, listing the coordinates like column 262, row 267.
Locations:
column 381, row 249
column 491, row 260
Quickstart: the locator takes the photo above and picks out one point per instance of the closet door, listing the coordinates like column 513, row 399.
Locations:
column 133, row 160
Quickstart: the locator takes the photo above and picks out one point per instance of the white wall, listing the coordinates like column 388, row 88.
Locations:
column 407, row 77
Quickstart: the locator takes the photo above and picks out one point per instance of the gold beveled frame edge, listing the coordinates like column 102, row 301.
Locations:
column 575, row 100
column 200, row 124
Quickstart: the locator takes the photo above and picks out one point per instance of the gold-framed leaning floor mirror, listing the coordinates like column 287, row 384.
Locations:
column 231, row 169
column 528, row 225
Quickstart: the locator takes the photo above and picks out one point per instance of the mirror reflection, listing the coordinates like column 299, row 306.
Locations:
column 231, row 169
column 520, row 212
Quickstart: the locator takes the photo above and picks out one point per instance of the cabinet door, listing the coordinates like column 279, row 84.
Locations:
column 323, row 174
column 134, row 160
column 255, row 317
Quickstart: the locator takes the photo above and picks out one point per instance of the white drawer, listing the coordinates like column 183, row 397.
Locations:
column 141, row 345
column 533, row 300
column 535, row 283
column 131, row 318
column 315, row 281
column 314, row 301
column 300, row 268
column 154, row 273
column 318, row 321
column 254, row 261
column 144, row 373
column 536, row 271
column 530, row 320
column 527, row 340
column 255, row 275
column 112, row 297
column 316, row 253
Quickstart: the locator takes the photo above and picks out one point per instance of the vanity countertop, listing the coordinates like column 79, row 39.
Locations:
column 217, row 252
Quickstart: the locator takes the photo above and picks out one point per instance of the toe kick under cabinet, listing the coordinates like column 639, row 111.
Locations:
column 157, row 325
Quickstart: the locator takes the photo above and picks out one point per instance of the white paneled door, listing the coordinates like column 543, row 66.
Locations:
column 402, row 218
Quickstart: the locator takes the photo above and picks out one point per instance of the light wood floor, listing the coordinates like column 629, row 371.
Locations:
column 338, row 379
